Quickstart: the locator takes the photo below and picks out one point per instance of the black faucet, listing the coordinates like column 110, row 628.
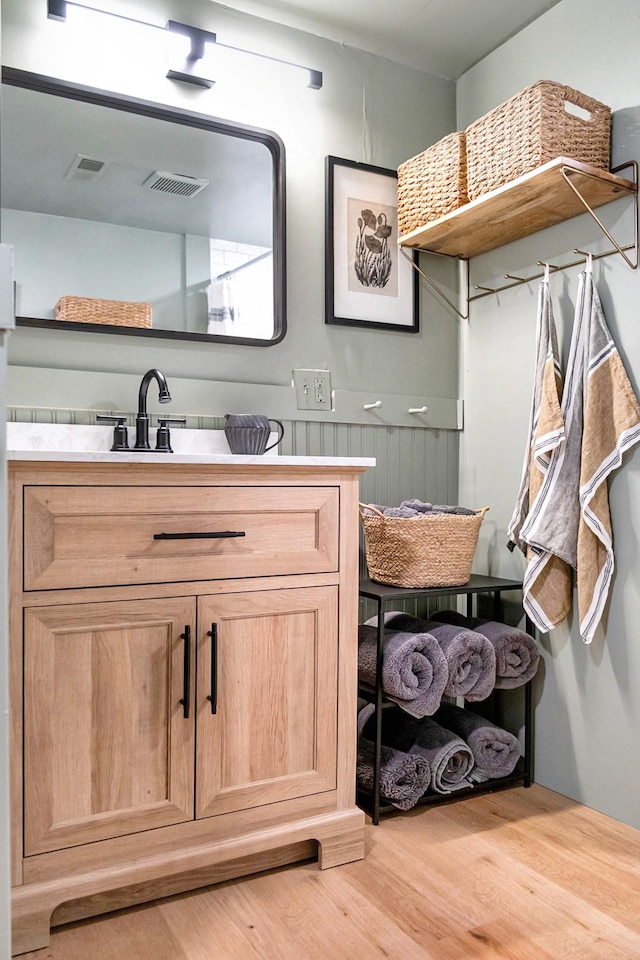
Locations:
column 142, row 418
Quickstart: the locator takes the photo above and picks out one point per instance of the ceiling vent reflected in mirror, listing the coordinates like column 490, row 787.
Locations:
column 86, row 169
column 177, row 184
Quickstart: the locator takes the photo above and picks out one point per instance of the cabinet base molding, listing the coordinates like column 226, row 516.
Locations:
column 183, row 883
column 337, row 838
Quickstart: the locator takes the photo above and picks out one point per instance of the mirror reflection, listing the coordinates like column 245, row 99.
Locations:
column 176, row 214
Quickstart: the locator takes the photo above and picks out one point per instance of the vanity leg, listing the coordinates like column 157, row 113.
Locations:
column 343, row 847
column 30, row 931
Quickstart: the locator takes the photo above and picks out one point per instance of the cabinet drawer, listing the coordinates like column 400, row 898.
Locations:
column 79, row 536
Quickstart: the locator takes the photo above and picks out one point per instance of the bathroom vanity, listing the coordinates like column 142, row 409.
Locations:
column 183, row 674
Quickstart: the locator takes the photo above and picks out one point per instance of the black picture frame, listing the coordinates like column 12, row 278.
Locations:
column 368, row 281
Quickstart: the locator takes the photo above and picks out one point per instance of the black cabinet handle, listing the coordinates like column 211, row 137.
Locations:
column 186, row 699
column 215, row 535
column 213, row 696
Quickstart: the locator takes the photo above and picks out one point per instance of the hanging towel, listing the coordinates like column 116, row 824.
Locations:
column 414, row 668
column 602, row 420
column 449, row 757
column 222, row 310
column 517, row 654
column 547, row 585
column 470, row 658
column 495, row 751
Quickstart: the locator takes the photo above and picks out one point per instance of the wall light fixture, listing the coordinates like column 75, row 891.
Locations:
column 193, row 68
column 197, row 39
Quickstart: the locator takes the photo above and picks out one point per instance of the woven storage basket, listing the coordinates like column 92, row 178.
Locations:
column 433, row 550
column 433, row 183
column 532, row 128
column 118, row 313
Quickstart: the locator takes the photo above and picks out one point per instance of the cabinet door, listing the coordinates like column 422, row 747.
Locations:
column 108, row 750
column 268, row 733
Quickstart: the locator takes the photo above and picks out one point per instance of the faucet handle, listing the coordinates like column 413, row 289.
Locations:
column 120, row 433
column 163, row 438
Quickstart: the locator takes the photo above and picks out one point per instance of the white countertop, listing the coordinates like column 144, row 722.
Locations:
column 75, row 443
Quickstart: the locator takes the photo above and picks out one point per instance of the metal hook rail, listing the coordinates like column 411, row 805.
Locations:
column 519, row 281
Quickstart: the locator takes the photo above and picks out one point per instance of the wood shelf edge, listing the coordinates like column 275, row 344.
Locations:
column 538, row 199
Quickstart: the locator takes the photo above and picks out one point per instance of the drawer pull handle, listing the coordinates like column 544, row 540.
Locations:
column 186, row 698
column 213, row 696
column 215, row 535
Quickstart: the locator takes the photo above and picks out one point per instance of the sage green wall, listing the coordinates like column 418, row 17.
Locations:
column 588, row 709
column 368, row 110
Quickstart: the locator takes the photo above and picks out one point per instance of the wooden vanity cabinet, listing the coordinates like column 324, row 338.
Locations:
column 170, row 729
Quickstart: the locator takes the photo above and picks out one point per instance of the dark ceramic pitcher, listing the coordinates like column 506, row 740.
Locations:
column 248, row 433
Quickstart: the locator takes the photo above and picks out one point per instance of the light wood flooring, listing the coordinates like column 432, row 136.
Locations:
column 516, row 875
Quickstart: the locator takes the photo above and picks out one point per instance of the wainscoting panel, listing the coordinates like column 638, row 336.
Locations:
column 410, row 462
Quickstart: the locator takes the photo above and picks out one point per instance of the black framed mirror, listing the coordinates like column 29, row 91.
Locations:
column 128, row 204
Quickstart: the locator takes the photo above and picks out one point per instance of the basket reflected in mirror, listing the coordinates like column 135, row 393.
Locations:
column 120, row 313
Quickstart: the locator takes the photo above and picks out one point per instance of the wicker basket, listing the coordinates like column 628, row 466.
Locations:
column 433, row 550
column 432, row 184
column 532, row 128
column 119, row 313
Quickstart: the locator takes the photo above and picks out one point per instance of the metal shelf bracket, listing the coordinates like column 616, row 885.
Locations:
column 432, row 283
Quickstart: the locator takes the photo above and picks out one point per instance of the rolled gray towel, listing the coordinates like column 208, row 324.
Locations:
column 404, row 777
column 517, row 654
column 450, row 758
column 418, row 505
column 414, row 668
column 365, row 710
column 406, row 512
column 471, row 659
column 421, row 507
column 495, row 751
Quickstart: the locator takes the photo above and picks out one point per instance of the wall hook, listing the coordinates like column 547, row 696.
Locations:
column 372, row 406
column 548, row 267
column 418, row 409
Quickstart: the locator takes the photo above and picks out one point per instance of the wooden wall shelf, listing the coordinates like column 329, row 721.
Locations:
column 537, row 200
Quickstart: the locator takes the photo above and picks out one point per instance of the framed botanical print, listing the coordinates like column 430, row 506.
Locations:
column 368, row 282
